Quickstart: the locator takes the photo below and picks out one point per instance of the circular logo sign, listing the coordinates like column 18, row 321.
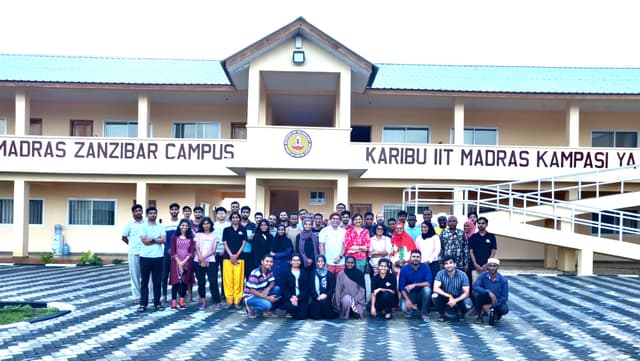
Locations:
column 297, row 143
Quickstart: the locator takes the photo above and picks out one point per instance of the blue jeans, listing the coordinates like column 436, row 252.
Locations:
column 419, row 298
column 260, row 304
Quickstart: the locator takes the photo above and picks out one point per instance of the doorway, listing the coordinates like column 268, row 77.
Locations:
column 281, row 199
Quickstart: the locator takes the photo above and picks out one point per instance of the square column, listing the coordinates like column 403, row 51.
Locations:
column 251, row 191
column 144, row 113
column 343, row 101
column 573, row 126
column 22, row 107
column 256, row 101
column 342, row 190
column 20, row 240
column 458, row 122
column 142, row 191
column 585, row 262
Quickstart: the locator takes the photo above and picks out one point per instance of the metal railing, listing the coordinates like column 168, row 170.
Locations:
column 541, row 203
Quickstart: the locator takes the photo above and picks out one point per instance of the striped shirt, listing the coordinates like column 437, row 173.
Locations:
column 452, row 285
column 258, row 281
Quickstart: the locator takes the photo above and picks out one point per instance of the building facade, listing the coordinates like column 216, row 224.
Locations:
column 295, row 120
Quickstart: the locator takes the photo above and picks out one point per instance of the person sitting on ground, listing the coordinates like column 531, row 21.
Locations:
column 260, row 291
column 384, row 295
column 452, row 286
column 490, row 293
column 349, row 298
column 321, row 287
column 415, row 286
column 295, row 289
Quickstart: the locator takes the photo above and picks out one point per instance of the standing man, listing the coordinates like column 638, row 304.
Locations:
column 391, row 224
column 368, row 223
column 491, row 293
column 380, row 218
column 250, row 227
column 455, row 245
column 170, row 229
column 427, row 214
column 283, row 218
column 257, row 217
column 340, row 207
column 411, row 227
column 293, row 230
column 260, row 291
column 131, row 236
column 186, row 212
column 220, row 224
column 331, row 244
column 442, row 224
column 234, row 238
column 198, row 212
column 402, row 217
column 235, row 207
column 273, row 221
column 151, row 255
column 452, row 287
column 318, row 223
column 415, row 286
column 346, row 219
column 482, row 246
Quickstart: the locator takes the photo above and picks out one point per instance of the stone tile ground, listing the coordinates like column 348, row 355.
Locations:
column 552, row 317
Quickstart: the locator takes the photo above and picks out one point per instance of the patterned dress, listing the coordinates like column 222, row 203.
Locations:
column 182, row 247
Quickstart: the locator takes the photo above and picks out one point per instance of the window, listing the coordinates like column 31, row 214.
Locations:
column 317, row 198
column 405, row 135
column 614, row 138
column 3, row 126
column 360, row 134
column 36, row 211
column 612, row 220
column 92, row 212
column 238, row 131
column 120, row 129
column 481, row 136
column 196, row 130
column 35, row 126
column 81, row 128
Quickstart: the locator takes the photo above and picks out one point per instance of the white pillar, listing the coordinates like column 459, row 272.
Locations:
column 458, row 198
column 585, row 262
column 250, row 190
column 342, row 190
column 144, row 113
column 458, row 122
column 141, row 194
column 343, row 103
column 255, row 110
column 260, row 198
column 573, row 126
column 22, row 107
column 20, row 240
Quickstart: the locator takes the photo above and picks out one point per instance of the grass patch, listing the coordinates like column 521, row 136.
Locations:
column 11, row 314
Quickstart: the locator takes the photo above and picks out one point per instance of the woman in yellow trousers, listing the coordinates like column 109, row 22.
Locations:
column 234, row 238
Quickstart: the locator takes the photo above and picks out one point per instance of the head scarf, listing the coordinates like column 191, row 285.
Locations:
column 354, row 274
column 472, row 229
column 280, row 242
column 430, row 232
column 402, row 240
column 320, row 280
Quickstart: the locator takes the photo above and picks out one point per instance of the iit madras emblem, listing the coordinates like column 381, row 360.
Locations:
column 297, row 143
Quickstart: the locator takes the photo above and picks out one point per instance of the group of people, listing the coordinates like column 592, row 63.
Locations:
column 302, row 266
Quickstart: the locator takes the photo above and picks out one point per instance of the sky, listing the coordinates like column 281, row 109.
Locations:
column 515, row 32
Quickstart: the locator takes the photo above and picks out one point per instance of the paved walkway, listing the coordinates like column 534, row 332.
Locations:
column 552, row 317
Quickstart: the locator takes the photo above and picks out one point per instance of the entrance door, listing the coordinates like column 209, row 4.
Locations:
column 361, row 208
column 287, row 200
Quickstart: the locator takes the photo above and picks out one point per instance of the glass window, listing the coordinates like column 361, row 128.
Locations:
column 196, row 130
column 479, row 136
column 610, row 221
column 92, row 212
column 405, row 135
column 36, row 211
column 120, row 129
column 317, row 198
column 3, row 126
column 614, row 138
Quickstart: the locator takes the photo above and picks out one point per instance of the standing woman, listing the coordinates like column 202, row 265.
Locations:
column 295, row 289
column 261, row 242
column 349, row 298
column 429, row 244
column 281, row 250
column 321, row 287
column 205, row 264
column 384, row 296
column 357, row 242
column 234, row 238
column 380, row 247
column 181, row 261
column 307, row 243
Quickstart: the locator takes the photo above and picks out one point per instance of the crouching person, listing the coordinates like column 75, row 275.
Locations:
column 261, row 292
column 452, row 286
column 490, row 293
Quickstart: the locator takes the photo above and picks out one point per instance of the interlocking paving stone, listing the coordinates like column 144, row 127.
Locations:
column 552, row 317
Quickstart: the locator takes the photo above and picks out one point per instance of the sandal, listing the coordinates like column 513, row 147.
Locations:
column 159, row 308
column 142, row 308
column 388, row 316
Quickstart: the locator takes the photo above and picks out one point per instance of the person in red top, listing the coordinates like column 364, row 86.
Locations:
column 401, row 244
column 357, row 241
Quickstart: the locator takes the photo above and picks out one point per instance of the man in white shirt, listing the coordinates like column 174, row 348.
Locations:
column 131, row 236
column 221, row 222
column 153, row 237
column 331, row 245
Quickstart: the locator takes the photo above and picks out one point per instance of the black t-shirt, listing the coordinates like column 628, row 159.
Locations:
column 482, row 246
column 234, row 238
